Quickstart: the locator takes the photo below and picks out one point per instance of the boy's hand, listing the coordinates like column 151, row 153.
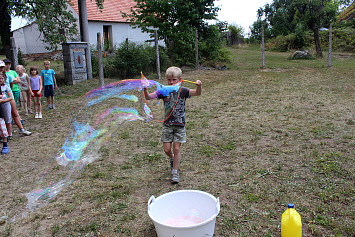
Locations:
column 145, row 83
column 198, row 83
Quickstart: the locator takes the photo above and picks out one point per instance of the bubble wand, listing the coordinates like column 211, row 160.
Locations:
column 189, row 81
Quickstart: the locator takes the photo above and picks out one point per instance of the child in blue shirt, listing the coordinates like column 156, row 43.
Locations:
column 50, row 83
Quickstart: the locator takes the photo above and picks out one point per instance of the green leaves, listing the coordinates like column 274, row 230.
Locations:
column 54, row 21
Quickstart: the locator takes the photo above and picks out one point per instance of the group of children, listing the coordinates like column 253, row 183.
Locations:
column 12, row 83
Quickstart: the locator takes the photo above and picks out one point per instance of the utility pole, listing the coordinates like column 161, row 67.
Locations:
column 84, row 34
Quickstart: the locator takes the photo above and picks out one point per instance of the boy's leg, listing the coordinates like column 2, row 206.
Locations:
column 177, row 155
column 53, row 106
column 167, row 149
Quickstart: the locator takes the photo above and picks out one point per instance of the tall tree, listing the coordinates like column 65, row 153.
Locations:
column 175, row 20
column 5, row 27
column 316, row 14
column 54, row 20
column 285, row 16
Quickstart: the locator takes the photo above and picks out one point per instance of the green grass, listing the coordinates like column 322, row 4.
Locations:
column 257, row 138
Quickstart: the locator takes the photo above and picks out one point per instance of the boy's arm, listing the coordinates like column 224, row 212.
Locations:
column 149, row 96
column 198, row 90
column 55, row 82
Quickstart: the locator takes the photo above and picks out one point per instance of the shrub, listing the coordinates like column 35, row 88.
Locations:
column 129, row 60
column 20, row 59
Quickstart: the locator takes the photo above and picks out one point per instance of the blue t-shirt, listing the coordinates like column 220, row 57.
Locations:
column 47, row 76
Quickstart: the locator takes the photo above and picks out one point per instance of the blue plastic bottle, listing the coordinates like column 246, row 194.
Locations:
column 291, row 224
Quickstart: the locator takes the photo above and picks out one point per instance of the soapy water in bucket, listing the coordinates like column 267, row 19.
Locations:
column 184, row 221
column 191, row 218
column 104, row 111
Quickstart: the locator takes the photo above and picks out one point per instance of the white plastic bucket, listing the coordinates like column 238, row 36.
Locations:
column 178, row 203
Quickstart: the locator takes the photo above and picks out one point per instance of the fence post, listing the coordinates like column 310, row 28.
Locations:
column 99, row 55
column 330, row 45
column 13, row 49
column 196, row 50
column 157, row 53
column 263, row 46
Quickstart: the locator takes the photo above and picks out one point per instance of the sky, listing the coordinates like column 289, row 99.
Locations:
column 239, row 12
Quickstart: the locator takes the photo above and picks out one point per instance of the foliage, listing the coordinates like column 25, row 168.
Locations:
column 176, row 22
column 285, row 16
column 236, row 30
column 210, row 47
column 5, row 27
column 20, row 59
column 255, row 30
column 130, row 59
column 54, row 21
column 343, row 41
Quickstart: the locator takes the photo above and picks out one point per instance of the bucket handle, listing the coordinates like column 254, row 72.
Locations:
column 218, row 207
column 150, row 201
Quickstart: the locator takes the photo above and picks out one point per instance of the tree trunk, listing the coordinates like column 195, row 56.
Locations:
column 5, row 28
column 317, row 42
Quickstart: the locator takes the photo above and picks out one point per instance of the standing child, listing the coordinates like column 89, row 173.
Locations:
column 24, row 88
column 12, row 109
column 15, row 80
column 174, row 133
column 50, row 84
column 36, row 89
column 3, row 129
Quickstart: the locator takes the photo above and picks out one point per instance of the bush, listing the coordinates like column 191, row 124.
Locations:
column 130, row 59
column 20, row 59
column 343, row 40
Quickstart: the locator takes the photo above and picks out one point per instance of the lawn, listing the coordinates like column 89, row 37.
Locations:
column 257, row 138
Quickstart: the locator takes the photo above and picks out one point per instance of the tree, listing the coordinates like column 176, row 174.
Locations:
column 175, row 21
column 54, row 21
column 285, row 16
column 5, row 27
column 316, row 14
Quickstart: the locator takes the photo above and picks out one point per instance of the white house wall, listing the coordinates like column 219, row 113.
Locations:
column 29, row 40
column 120, row 32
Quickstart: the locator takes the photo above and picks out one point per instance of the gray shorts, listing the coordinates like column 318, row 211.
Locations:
column 6, row 111
column 173, row 133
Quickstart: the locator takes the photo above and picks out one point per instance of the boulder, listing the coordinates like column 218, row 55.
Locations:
column 301, row 55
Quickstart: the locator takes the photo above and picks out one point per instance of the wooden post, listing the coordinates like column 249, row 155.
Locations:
column 262, row 46
column 84, row 34
column 330, row 45
column 157, row 53
column 99, row 55
column 14, row 58
column 196, row 50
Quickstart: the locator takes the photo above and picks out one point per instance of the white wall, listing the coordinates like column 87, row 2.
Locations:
column 120, row 32
column 29, row 40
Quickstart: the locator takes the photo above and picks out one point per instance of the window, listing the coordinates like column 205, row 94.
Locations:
column 107, row 37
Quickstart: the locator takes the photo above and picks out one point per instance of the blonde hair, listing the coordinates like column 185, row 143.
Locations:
column 47, row 62
column 21, row 67
column 173, row 72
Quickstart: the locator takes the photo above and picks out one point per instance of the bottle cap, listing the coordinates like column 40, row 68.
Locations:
column 291, row 205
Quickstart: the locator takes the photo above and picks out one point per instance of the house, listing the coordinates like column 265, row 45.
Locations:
column 108, row 21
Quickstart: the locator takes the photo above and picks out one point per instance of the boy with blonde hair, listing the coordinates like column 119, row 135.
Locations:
column 50, row 83
column 174, row 133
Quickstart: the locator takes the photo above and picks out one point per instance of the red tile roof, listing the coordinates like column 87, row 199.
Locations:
column 111, row 11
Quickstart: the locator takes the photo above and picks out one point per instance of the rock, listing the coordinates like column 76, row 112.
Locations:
column 301, row 55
